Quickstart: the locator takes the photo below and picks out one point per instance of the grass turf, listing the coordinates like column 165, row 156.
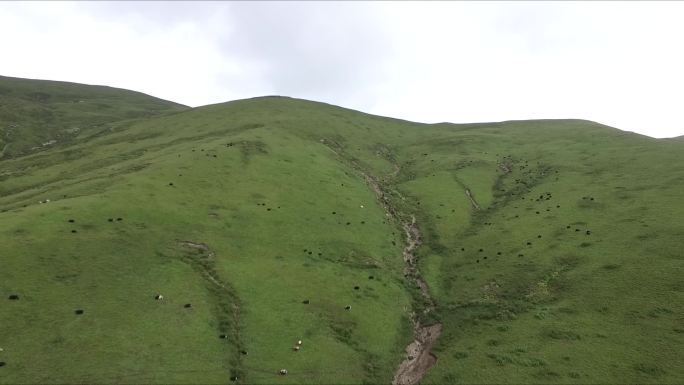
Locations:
column 282, row 219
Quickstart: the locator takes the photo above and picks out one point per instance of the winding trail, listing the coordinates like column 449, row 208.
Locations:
column 419, row 356
column 203, row 262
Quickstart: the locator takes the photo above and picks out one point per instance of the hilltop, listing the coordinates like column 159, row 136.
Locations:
column 537, row 251
column 37, row 114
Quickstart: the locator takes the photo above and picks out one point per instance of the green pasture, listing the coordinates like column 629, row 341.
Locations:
column 247, row 210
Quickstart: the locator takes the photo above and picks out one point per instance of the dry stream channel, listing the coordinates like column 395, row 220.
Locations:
column 419, row 357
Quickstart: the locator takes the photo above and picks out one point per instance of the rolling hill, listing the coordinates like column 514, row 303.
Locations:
column 513, row 252
column 38, row 114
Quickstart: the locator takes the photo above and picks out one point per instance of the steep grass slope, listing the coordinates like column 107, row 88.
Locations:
column 570, row 270
column 242, row 218
column 37, row 114
column 551, row 250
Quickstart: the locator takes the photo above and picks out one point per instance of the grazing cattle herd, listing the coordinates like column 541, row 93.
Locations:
column 298, row 345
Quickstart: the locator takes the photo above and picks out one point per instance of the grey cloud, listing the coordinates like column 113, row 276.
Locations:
column 326, row 51
column 311, row 49
column 152, row 13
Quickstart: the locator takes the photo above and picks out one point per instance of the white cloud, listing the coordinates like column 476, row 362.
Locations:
column 613, row 63
column 616, row 63
column 178, row 61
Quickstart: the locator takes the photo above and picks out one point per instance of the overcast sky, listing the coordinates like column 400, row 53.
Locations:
column 621, row 64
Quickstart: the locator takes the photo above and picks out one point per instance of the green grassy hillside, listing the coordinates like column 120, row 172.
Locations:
column 562, row 264
column 38, row 114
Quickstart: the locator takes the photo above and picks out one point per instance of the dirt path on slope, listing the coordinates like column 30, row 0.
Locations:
column 419, row 356
column 210, row 275
column 202, row 260
column 470, row 196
